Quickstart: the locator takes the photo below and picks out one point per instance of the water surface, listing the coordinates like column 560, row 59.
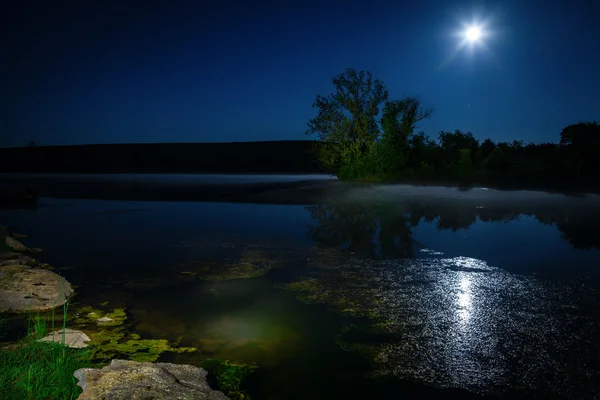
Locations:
column 405, row 290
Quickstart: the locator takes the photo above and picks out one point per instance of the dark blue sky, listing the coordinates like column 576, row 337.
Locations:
column 186, row 71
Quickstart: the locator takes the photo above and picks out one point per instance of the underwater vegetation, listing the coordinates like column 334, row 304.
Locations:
column 229, row 376
column 112, row 339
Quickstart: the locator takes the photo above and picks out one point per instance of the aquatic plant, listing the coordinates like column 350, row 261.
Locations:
column 111, row 338
column 252, row 263
column 229, row 376
column 341, row 295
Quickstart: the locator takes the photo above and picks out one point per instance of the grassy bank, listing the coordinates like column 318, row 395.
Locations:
column 32, row 370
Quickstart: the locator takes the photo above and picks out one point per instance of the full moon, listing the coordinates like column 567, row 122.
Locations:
column 473, row 34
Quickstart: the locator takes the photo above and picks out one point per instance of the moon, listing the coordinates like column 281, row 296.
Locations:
column 473, row 34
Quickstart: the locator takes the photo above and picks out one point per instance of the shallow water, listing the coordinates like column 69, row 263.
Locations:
column 408, row 288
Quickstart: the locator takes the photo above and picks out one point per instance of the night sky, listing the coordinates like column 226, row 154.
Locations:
column 187, row 71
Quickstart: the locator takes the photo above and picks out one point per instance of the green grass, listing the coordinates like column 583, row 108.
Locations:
column 35, row 370
column 32, row 370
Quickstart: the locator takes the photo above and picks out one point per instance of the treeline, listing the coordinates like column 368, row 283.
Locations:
column 236, row 157
column 367, row 136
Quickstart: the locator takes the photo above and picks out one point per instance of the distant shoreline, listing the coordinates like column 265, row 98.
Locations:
column 272, row 157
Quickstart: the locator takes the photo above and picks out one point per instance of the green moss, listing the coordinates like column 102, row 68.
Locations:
column 112, row 339
column 84, row 316
column 230, row 376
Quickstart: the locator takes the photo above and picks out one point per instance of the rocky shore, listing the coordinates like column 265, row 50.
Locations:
column 27, row 285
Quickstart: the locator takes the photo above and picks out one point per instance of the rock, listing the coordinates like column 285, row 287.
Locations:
column 19, row 235
column 73, row 338
column 105, row 319
column 130, row 380
column 24, row 288
column 14, row 244
column 17, row 258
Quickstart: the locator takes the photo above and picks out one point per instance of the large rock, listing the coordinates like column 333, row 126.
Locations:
column 130, row 380
column 14, row 244
column 24, row 288
column 71, row 337
column 11, row 258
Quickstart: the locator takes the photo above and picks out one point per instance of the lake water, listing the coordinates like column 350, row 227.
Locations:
column 354, row 290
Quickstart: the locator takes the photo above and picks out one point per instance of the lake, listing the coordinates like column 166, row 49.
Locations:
column 336, row 289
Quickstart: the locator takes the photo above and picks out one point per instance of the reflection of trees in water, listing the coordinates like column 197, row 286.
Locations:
column 384, row 230
column 363, row 230
column 581, row 231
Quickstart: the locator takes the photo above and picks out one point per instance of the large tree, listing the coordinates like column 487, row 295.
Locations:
column 346, row 121
column 399, row 121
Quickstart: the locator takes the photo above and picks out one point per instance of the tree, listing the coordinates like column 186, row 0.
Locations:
column 347, row 119
column 583, row 143
column 452, row 143
column 399, row 121
column 487, row 147
column 398, row 124
column 465, row 165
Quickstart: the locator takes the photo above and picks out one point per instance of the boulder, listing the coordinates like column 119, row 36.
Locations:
column 73, row 338
column 14, row 244
column 24, row 288
column 17, row 258
column 131, row 380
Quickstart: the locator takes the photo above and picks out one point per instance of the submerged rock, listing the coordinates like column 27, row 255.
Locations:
column 24, row 288
column 72, row 338
column 130, row 380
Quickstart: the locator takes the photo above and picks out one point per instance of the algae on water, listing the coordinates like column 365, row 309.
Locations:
column 112, row 339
